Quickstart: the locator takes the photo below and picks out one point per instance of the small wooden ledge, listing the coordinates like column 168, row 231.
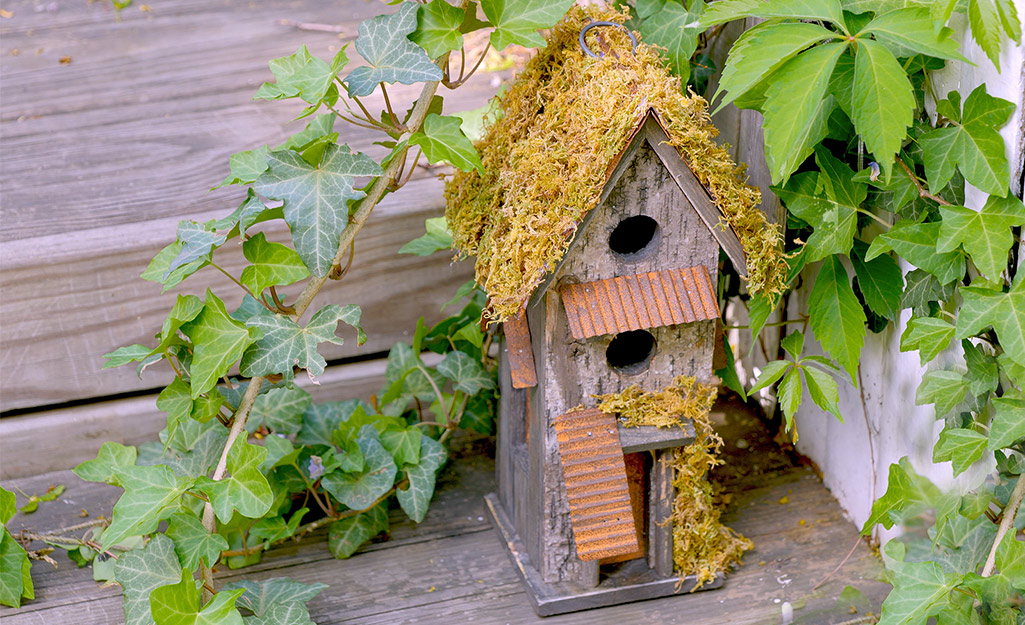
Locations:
column 649, row 437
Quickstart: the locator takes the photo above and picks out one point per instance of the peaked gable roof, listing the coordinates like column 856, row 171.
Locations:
column 566, row 125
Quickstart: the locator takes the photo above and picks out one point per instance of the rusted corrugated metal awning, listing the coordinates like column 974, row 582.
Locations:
column 641, row 301
column 596, row 484
column 519, row 351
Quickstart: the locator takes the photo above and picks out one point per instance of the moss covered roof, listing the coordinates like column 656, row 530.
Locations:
column 564, row 123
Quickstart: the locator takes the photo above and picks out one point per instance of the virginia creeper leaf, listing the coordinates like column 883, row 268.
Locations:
column 837, row 318
column 390, row 56
column 671, row 25
column 772, row 372
column 316, row 198
column 911, row 29
column 438, row 238
column 881, row 282
column 790, row 395
column 883, row 101
column 729, row 10
column 823, row 390
column 987, row 19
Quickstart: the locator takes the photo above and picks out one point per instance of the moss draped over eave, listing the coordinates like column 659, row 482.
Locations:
column 546, row 160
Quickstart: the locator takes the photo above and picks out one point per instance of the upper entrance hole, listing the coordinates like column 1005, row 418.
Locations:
column 633, row 235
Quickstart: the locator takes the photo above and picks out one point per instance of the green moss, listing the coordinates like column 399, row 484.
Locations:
column 547, row 158
column 702, row 545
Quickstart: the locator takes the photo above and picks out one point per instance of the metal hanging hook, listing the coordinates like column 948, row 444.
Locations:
column 589, row 52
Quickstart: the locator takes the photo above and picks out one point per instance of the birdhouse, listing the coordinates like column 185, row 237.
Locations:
column 600, row 253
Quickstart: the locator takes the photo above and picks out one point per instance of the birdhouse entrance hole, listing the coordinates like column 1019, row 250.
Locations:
column 633, row 235
column 630, row 352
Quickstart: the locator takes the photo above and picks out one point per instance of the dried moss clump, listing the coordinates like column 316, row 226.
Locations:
column 564, row 121
column 702, row 545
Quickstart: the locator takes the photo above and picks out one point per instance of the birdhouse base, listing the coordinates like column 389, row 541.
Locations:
column 630, row 581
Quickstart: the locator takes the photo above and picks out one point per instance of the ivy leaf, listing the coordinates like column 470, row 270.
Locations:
column 438, row 238
column 961, row 446
column 971, row 142
column 273, row 264
column 1008, row 424
column 983, row 373
column 883, row 101
column 928, row 335
column 390, row 56
column 945, row 389
column 729, row 10
column 797, row 107
column 517, row 21
column 881, row 282
column 286, row 344
column 359, row 491
column 907, row 494
column 403, row 367
column 983, row 307
column 320, row 420
column 15, row 567
column 316, row 198
column 141, row 571
column 192, row 542
column 276, row 601
column 917, row 243
column 837, row 318
column 185, row 309
column 670, row 25
column 157, row 268
column 280, row 409
column 911, row 29
column 151, row 495
column 923, row 288
column 251, row 211
column 280, row 451
column 403, row 445
column 219, row 342
column 823, row 390
column 112, row 458
column 299, row 75
column 244, row 488
column 920, row 590
column 276, row 528
column 987, row 18
column 125, row 355
column 466, row 373
column 762, row 50
column 417, row 497
column 197, row 243
column 179, row 604
column 345, row 536
column 442, row 140
column 246, row 166
column 437, row 28
column 986, row 234
column 834, row 224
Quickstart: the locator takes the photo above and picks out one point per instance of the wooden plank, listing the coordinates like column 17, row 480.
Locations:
column 660, row 509
column 60, row 439
column 61, row 317
column 147, row 113
column 451, row 569
column 649, row 438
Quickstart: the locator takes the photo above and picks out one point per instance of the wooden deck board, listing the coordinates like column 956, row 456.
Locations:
column 104, row 155
column 452, row 568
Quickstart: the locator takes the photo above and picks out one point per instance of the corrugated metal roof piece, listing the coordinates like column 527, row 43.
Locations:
column 596, row 484
column 520, row 352
column 641, row 301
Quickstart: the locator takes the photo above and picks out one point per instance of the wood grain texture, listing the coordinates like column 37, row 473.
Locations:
column 451, row 569
column 104, row 155
column 48, row 441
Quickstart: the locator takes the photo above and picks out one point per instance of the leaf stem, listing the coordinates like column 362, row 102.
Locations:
column 240, row 285
column 774, row 324
column 464, row 78
column 391, row 113
column 1006, row 523
column 877, row 218
column 922, row 191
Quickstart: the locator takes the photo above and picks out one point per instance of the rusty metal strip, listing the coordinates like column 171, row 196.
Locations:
column 594, row 472
column 641, row 301
column 521, row 355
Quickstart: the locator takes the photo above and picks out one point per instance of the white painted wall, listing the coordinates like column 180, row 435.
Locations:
column 889, row 378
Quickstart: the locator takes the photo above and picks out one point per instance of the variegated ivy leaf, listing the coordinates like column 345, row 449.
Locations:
column 156, row 271
column 111, row 459
column 345, row 536
column 246, row 166
column 244, row 488
column 125, row 355
column 390, row 56
column 517, row 21
column 151, row 495
column 301, row 75
column 442, row 140
column 273, row 264
column 218, row 340
column 280, row 409
column 983, row 307
column 276, row 601
column 359, row 490
column 928, row 335
column 197, row 243
column 961, row 446
column 192, row 542
column 985, row 234
column 945, row 389
column 467, row 374
column 438, row 238
column 1008, row 425
column 181, row 604
column 417, row 496
column 141, row 571
column 286, row 344
column 316, row 198
column 920, row 589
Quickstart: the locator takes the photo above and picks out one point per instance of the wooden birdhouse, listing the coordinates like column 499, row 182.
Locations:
column 597, row 222
column 583, row 501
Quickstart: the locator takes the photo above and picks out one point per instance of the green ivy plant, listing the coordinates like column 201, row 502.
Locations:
column 248, row 462
column 871, row 164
